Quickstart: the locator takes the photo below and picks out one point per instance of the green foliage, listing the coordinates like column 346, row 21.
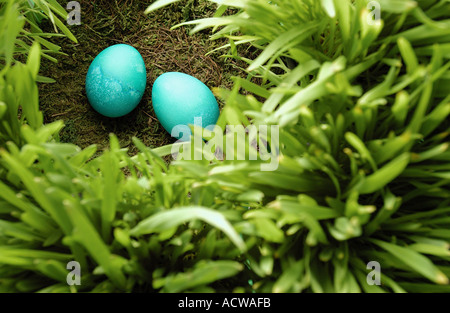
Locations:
column 18, row 91
column 119, row 227
column 19, row 20
column 363, row 169
column 21, row 37
column 357, row 107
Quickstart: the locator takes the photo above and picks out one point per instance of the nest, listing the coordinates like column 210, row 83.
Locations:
column 105, row 23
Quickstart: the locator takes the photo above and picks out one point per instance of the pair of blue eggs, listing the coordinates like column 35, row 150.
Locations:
column 116, row 81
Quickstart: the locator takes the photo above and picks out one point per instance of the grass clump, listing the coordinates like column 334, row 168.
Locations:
column 356, row 100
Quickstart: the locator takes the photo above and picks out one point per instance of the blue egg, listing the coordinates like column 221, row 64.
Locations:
column 116, row 80
column 179, row 100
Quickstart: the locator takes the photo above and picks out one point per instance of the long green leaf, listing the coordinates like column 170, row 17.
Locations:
column 415, row 260
column 172, row 218
column 384, row 175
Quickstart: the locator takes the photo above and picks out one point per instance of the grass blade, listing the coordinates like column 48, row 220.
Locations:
column 415, row 260
column 384, row 175
column 172, row 218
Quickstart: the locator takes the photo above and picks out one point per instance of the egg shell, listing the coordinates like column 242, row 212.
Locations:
column 116, row 80
column 179, row 98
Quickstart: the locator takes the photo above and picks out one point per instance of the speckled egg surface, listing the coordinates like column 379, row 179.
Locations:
column 116, row 80
column 179, row 98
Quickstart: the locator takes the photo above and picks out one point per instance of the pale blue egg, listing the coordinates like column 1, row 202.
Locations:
column 116, row 80
column 179, row 100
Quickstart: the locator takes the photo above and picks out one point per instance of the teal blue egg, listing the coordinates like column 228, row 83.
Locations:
column 116, row 80
column 179, row 100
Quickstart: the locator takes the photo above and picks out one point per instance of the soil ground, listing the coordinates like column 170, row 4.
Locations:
column 105, row 23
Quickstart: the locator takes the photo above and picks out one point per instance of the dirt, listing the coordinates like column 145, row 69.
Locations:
column 105, row 23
